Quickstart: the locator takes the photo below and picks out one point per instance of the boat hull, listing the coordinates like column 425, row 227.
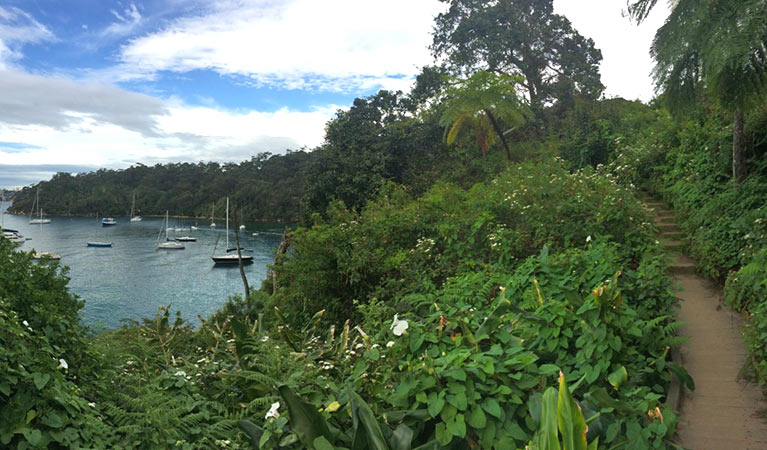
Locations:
column 170, row 246
column 224, row 260
column 99, row 244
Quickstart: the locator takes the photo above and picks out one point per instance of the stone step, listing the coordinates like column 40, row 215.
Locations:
column 679, row 264
column 673, row 246
column 673, row 235
column 661, row 213
column 668, row 227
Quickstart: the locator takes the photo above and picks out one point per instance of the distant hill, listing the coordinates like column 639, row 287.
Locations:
column 265, row 188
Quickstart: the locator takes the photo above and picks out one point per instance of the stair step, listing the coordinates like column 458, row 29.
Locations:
column 673, row 246
column 673, row 235
column 668, row 227
column 679, row 264
column 655, row 205
column 661, row 213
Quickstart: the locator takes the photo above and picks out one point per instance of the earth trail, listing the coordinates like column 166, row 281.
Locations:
column 724, row 411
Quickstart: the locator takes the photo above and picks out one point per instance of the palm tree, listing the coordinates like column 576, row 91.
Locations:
column 483, row 104
column 717, row 45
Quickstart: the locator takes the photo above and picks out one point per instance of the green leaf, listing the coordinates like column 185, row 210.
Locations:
column 618, row 377
column 53, row 420
column 369, row 434
column 401, row 438
column 572, row 425
column 442, row 435
column 40, row 379
column 457, row 427
column 612, row 431
column 546, row 438
column 251, row 429
column 477, row 418
column 490, row 324
column 492, row 407
column 305, row 420
column 32, row 436
column 435, row 405
column 458, row 400
column 682, row 375
column 320, row 443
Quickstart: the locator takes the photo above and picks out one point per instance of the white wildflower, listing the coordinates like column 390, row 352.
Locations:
column 399, row 327
column 180, row 373
column 273, row 411
column 92, row 405
column 26, row 324
column 588, row 239
column 63, row 364
column 390, row 344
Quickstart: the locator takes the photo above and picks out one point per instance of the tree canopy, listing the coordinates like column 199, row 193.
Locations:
column 716, row 46
column 519, row 37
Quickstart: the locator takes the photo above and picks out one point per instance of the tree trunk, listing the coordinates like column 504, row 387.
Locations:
column 498, row 131
column 281, row 251
column 738, row 148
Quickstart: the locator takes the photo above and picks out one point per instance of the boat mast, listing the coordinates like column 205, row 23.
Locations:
column 167, row 224
column 227, row 224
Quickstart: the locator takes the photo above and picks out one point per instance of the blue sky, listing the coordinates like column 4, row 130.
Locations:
column 106, row 83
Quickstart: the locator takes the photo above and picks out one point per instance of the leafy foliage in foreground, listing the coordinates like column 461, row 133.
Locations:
column 501, row 287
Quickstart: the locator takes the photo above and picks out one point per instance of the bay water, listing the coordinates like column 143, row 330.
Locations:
column 132, row 279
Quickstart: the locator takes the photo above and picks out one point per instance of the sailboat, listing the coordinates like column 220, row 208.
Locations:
column 212, row 211
column 133, row 210
column 168, row 244
column 97, row 243
column 12, row 235
column 37, row 203
column 230, row 258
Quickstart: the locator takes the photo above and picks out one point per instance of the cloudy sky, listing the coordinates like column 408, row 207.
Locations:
column 104, row 83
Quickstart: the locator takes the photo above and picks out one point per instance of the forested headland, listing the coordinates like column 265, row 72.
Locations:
column 473, row 266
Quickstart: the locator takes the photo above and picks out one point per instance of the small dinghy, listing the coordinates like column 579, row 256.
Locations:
column 48, row 255
column 99, row 244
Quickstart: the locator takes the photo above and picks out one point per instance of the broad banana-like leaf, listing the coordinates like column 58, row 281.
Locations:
column 252, row 430
column 402, row 438
column 367, row 431
column 305, row 420
column 547, row 438
column 572, row 425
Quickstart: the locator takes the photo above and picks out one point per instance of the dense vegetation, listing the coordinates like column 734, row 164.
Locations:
column 473, row 269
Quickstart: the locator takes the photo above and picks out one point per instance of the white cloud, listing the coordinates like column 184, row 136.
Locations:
column 298, row 44
column 127, row 21
column 85, row 124
column 16, row 29
column 59, row 103
column 625, row 46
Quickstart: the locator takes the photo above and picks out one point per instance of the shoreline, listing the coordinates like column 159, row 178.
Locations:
column 162, row 216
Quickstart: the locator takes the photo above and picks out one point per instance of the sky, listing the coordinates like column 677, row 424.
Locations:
column 86, row 84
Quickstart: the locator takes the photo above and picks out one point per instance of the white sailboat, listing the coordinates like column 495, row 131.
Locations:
column 212, row 213
column 133, row 211
column 37, row 203
column 168, row 244
column 230, row 258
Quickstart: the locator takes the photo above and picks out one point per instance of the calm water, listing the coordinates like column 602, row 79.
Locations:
column 132, row 279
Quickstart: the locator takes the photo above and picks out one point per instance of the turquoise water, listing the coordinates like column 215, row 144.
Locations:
column 132, row 279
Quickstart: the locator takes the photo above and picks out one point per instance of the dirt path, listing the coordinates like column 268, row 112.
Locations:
column 723, row 412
